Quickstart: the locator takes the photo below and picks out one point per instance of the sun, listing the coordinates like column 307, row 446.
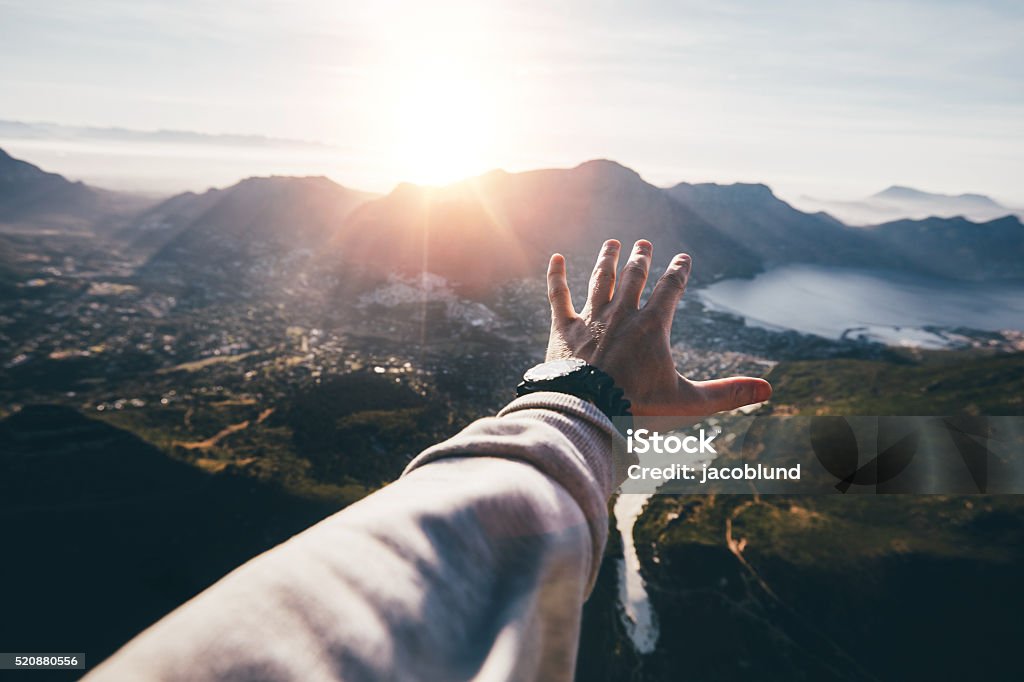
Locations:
column 437, row 90
column 443, row 123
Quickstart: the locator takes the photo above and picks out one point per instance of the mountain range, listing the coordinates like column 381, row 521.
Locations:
column 504, row 224
column 898, row 203
column 499, row 226
column 957, row 247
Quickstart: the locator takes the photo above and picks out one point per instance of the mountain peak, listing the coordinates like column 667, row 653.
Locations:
column 244, row 220
column 904, row 193
column 899, row 191
column 750, row 189
column 1006, row 221
column 608, row 168
column 261, row 188
column 739, row 193
column 286, row 180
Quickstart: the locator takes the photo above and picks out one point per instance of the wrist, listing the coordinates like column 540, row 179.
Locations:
column 578, row 378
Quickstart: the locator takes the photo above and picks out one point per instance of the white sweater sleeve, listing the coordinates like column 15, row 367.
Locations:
column 473, row 565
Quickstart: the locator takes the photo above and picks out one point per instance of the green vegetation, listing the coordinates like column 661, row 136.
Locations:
column 882, row 587
column 341, row 438
column 887, row 587
column 937, row 383
column 360, row 426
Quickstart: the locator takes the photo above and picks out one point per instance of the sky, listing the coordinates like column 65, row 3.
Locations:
column 831, row 99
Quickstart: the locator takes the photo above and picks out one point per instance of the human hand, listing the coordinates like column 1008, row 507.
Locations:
column 631, row 343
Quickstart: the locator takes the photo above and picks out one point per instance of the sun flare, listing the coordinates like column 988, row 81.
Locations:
column 443, row 124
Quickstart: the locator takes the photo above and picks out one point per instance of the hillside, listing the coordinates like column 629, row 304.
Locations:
column 142, row 532
column 957, row 247
column 778, row 233
column 156, row 227
column 833, row 588
column 258, row 222
column 30, row 195
column 294, row 212
column 939, row 383
column 32, row 199
column 859, row 587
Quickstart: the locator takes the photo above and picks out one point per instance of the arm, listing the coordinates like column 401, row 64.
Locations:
column 476, row 562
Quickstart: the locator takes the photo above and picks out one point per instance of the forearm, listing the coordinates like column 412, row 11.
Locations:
column 474, row 564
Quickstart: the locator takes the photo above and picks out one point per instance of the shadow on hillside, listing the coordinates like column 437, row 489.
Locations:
column 104, row 533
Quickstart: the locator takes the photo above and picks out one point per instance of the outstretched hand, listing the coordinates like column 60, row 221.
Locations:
column 631, row 342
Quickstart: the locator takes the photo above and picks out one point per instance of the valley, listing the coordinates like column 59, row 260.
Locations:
column 185, row 384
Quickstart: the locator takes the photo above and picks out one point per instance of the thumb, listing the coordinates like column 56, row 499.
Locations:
column 721, row 395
